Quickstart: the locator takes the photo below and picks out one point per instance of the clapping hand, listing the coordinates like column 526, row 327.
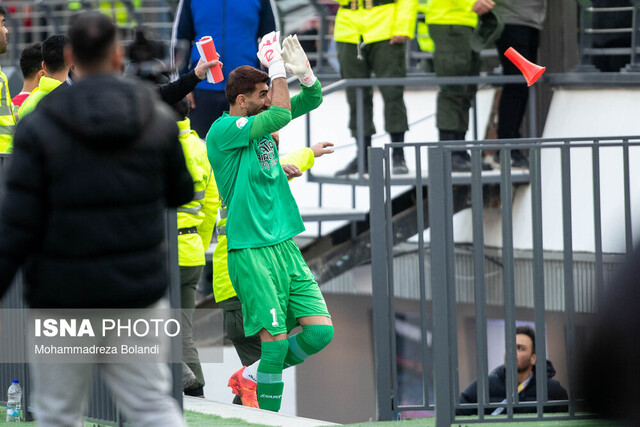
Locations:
column 296, row 61
column 269, row 54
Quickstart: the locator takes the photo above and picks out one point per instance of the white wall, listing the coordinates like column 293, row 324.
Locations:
column 330, row 123
column 576, row 113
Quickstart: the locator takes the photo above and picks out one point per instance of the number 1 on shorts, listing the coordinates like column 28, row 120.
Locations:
column 275, row 319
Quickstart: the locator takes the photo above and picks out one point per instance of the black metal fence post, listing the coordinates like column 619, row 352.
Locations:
column 439, row 283
column 380, row 287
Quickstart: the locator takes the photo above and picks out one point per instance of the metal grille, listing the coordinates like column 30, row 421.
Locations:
column 32, row 21
column 565, row 281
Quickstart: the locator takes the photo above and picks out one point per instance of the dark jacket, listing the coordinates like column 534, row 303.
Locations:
column 174, row 91
column 608, row 372
column 93, row 169
column 497, row 392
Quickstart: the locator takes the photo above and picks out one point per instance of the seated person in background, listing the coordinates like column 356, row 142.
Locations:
column 526, row 356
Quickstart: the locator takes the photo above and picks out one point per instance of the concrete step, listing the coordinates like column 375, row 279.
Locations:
column 250, row 415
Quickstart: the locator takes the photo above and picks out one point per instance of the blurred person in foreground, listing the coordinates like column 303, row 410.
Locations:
column 608, row 374
column 268, row 272
column 527, row 375
column 94, row 168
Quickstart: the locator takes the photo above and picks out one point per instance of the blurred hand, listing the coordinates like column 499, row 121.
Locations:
column 320, row 149
column 483, row 6
column 203, row 66
column 291, row 171
column 398, row 39
column 296, row 61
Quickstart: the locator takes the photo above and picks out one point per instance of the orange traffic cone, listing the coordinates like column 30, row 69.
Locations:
column 531, row 71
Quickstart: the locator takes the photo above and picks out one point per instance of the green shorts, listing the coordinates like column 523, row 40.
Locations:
column 275, row 286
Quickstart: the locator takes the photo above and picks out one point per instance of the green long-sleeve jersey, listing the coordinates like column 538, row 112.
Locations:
column 244, row 157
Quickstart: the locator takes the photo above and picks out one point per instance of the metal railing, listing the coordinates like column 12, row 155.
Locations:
column 583, row 79
column 438, row 285
column 591, row 80
column 588, row 30
column 31, row 21
column 101, row 406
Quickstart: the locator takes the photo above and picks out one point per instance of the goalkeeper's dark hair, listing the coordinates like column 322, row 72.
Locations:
column 243, row 81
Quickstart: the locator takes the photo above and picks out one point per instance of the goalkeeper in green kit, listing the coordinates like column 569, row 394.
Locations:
column 267, row 270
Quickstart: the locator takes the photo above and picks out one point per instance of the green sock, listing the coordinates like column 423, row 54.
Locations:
column 269, row 375
column 270, row 395
column 311, row 340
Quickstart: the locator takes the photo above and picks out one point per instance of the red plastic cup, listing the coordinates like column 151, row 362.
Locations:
column 208, row 49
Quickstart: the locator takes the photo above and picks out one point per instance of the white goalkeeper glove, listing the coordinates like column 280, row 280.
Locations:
column 296, row 61
column 269, row 55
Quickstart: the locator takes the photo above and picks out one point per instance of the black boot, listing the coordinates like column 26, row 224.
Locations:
column 352, row 166
column 399, row 164
column 518, row 160
column 460, row 160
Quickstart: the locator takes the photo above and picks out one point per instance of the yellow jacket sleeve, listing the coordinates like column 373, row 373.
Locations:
column 302, row 158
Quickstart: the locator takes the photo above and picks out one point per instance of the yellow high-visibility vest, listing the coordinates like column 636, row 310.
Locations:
column 422, row 30
column 115, row 9
column 118, row 11
column 451, row 12
column 372, row 21
column 7, row 118
column 199, row 213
